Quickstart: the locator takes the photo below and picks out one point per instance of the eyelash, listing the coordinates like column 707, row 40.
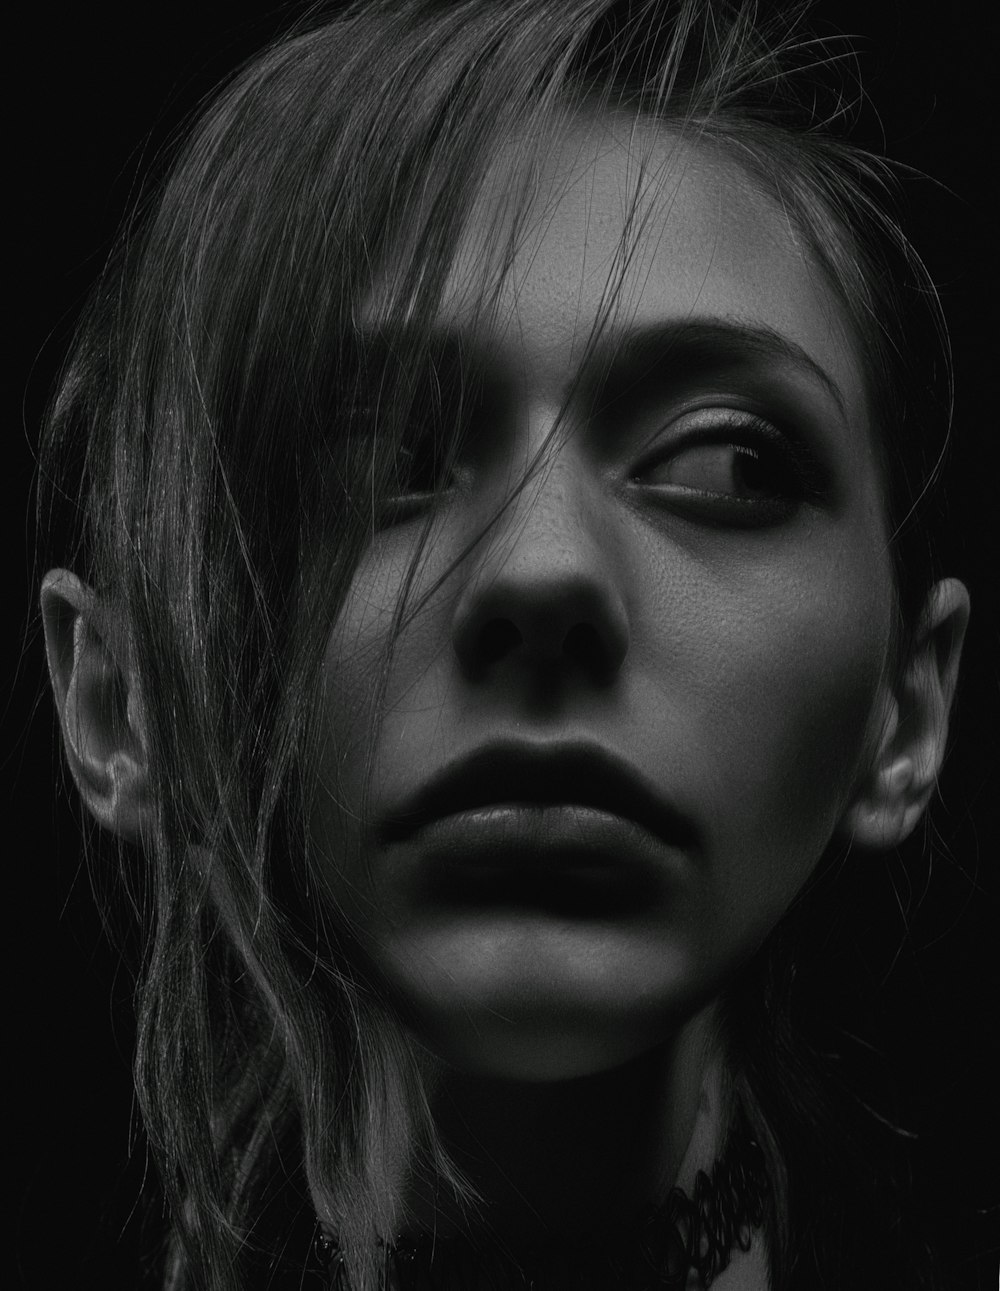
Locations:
column 794, row 471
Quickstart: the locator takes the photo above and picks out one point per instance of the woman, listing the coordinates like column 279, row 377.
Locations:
column 499, row 611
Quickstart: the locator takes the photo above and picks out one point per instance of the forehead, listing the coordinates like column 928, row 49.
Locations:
column 677, row 225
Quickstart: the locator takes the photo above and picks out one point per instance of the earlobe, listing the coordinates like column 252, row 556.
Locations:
column 914, row 734
column 97, row 704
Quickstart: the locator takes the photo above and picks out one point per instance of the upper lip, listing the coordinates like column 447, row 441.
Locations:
column 514, row 771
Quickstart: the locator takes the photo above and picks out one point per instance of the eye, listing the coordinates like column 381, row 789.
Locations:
column 737, row 470
column 420, row 472
column 418, row 468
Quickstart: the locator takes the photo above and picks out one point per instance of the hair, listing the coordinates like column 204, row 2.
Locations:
column 211, row 463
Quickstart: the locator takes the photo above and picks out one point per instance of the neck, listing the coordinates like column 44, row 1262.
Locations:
column 562, row 1157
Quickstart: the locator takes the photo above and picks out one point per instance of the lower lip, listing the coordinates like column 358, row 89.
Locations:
column 526, row 849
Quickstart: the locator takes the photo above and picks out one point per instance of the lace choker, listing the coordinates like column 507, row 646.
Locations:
column 656, row 1252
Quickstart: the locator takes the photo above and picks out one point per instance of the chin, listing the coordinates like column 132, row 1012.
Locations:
column 528, row 1025
column 527, row 996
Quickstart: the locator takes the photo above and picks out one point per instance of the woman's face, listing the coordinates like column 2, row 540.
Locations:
column 620, row 734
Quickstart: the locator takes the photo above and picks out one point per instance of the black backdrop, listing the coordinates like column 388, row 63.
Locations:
column 94, row 96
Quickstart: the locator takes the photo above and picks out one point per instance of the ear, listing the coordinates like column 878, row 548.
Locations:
column 97, row 703
column 911, row 747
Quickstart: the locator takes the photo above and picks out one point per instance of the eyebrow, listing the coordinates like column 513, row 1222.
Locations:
column 631, row 359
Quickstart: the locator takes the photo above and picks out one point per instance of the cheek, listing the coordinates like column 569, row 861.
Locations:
column 356, row 652
column 795, row 694
column 348, row 708
column 352, row 705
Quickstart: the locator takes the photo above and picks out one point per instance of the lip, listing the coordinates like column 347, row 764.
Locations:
column 561, row 858
column 519, row 778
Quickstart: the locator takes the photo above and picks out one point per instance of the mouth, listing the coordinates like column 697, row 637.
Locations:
column 519, row 798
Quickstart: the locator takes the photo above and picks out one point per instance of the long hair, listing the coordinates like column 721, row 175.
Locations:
column 226, row 434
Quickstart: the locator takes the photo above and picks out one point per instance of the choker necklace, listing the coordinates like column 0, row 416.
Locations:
column 658, row 1251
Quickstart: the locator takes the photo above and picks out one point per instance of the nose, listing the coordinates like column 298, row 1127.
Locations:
column 545, row 594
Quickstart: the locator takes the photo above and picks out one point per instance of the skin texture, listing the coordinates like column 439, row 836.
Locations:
column 743, row 665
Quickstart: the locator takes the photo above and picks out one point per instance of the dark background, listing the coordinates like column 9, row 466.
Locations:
column 95, row 98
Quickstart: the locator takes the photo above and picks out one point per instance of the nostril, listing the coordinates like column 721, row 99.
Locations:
column 580, row 625
column 500, row 637
column 496, row 639
column 583, row 643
